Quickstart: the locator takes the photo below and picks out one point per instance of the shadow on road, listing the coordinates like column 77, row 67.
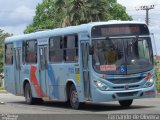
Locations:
column 87, row 107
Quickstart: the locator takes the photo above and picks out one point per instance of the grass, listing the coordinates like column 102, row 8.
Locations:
column 1, row 88
column 157, row 76
column 158, row 83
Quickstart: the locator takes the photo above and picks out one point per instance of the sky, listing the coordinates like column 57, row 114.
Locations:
column 140, row 15
column 15, row 15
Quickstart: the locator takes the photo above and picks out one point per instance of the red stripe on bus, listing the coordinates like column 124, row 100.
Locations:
column 34, row 81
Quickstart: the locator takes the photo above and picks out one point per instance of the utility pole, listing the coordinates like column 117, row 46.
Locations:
column 146, row 8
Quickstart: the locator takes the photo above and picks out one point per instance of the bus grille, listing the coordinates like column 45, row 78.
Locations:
column 125, row 80
column 126, row 94
column 129, row 87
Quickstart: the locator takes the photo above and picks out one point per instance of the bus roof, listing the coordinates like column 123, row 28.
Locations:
column 66, row 30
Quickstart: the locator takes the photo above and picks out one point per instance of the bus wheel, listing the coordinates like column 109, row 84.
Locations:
column 125, row 103
column 28, row 95
column 74, row 102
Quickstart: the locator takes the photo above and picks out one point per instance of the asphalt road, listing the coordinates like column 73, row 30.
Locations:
column 10, row 104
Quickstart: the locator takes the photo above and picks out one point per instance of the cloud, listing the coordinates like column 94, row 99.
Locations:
column 136, row 3
column 12, row 4
column 154, row 18
column 18, row 16
column 15, row 15
column 16, row 30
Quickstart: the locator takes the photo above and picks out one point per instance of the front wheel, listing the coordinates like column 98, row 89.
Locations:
column 125, row 103
column 74, row 101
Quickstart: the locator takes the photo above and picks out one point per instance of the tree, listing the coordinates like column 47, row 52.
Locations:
column 2, row 37
column 60, row 13
column 83, row 11
column 118, row 12
column 46, row 17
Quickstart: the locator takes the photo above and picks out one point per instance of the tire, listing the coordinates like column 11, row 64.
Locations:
column 125, row 103
column 28, row 95
column 74, row 102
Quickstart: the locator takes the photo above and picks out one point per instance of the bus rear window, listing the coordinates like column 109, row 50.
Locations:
column 9, row 54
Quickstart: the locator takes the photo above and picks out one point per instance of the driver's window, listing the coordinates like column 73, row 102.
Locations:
column 143, row 49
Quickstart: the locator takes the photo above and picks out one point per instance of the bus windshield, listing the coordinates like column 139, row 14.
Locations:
column 122, row 55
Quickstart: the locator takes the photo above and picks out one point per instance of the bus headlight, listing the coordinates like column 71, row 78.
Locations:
column 149, row 82
column 100, row 85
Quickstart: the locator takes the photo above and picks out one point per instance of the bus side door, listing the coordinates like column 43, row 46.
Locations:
column 18, row 59
column 43, row 58
column 85, row 69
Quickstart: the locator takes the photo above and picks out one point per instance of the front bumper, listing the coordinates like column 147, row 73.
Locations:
column 104, row 96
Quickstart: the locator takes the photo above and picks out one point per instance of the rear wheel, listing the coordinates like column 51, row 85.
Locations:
column 125, row 103
column 28, row 95
column 74, row 101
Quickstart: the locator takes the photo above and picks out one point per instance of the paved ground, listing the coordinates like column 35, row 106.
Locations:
column 11, row 104
column 16, row 105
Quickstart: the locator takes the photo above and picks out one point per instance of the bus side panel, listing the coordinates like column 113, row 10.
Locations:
column 59, row 75
column 30, row 73
column 57, row 81
column 10, row 85
column 35, row 82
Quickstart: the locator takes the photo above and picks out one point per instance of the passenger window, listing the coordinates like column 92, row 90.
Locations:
column 63, row 49
column 55, row 49
column 9, row 54
column 31, row 52
column 71, row 48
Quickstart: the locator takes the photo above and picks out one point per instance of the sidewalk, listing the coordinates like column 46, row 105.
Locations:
column 158, row 95
column 3, row 91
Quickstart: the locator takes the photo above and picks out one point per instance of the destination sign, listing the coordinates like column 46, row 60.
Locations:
column 120, row 29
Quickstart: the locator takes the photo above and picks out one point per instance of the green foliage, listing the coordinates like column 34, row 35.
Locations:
column 60, row 13
column 118, row 12
column 2, row 37
column 1, row 88
column 157, row 80
column 157, row 74
column 46, row 17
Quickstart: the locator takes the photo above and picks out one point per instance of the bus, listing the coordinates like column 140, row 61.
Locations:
column 94, row 62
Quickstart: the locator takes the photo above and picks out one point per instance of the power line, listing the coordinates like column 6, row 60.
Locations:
column 146, row 8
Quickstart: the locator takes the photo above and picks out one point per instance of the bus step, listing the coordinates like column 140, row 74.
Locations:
column 45, row 98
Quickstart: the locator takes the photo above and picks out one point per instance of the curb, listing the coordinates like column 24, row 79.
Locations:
column 158, row 95
column 3, row 91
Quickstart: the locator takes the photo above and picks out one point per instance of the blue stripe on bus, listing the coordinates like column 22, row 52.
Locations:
column 54, row 82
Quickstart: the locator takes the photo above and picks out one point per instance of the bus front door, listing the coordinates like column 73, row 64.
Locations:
column 43, row 69
column 18, row 83
column 85, row 69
